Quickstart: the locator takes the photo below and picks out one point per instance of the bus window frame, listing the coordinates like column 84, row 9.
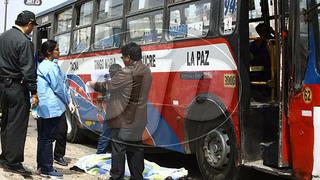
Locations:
column 180, row 6
column 55, row 29
column 97, row 21
column 104, row 22
column 144, row 14
column 144, row 10
column 76, row 12
column 220, row 19
column 76, row 8
column 316, row 26
column 96, row 7
column 55, row 26
column 297, row 86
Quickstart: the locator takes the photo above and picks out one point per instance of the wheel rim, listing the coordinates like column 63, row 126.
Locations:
column 69, row 125
column 217, row 149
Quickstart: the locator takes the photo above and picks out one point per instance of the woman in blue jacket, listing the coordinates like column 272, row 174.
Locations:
column 53, row 97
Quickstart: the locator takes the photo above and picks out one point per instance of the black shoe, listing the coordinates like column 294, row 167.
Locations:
column 61, row 161
column 17, row 168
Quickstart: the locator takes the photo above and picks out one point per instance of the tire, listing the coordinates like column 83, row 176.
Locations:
column 74, row 134
column 216, row 151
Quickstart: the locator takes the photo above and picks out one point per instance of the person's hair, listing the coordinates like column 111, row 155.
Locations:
column 133, row 50
column 48, row 46
column 264, row 30
column 114, row 68
column 21, row 23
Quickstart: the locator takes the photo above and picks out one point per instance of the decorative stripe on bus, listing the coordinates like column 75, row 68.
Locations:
column 316, row 144
column 214, row 57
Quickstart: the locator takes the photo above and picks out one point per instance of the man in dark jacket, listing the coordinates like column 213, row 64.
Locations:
column 17, row 79
column 127, row 111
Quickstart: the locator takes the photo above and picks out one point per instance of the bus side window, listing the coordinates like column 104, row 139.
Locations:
column 301, row 48
column 138, row 5
column 190, row 20
column 84, row 14
column 107, row 35
column 64, row 21
column 145, row 29
column 228, row 16
column 64, row 43
column 81, row 40
column 110, row 9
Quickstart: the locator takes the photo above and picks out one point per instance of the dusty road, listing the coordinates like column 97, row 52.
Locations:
column 73, row 153
column 76, row 151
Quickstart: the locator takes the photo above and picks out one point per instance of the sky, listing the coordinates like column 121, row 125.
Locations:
column 16, row 6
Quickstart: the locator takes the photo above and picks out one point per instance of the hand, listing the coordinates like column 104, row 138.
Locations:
column 35, row 101
column 92, row 83
column 72, row 108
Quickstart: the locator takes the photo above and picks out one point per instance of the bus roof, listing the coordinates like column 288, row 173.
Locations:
column 68, row 2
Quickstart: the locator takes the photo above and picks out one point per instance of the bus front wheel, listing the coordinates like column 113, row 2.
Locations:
column 215, row 152
column 73, row 132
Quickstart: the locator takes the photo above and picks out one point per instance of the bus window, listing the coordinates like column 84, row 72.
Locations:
column 138, row 5
column 110, row 9
column 195, row 22
column 107, row 35
column 64, row 43
column 146, row 29
column 84, row 14
column 229, row 16
column 64, row 21
column 301, row 52
column 81, row 40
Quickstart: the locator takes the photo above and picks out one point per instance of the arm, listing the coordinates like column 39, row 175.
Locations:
column 119, row 80
column 57, row 84
column 27, row 66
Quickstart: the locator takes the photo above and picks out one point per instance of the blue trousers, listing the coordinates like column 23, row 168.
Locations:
column 46, row 135
column 104, row 139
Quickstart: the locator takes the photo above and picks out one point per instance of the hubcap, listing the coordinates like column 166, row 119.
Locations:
column 217, row 148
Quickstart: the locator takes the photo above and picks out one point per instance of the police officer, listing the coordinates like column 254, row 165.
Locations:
column 17, row 80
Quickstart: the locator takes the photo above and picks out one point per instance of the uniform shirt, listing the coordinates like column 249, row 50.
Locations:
column 16, row 58
column 53, row 90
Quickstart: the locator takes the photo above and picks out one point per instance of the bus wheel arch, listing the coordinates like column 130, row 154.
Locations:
column 213, row 141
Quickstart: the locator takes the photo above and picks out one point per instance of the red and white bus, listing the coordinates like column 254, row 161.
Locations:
column 213, row 94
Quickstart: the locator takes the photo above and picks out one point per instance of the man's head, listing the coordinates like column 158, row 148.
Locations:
column 114, row 68
column 130, row 53
column 264, row 31
column 26, row 20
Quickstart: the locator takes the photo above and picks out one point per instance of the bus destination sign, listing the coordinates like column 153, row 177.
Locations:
column 32, row 2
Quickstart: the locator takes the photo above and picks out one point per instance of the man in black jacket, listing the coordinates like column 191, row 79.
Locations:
column 17, row 79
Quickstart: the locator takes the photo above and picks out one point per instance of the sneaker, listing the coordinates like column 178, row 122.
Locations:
column 52, row 174
column 61, row 161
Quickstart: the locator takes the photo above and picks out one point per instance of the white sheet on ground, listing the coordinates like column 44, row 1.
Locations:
column 100, row 164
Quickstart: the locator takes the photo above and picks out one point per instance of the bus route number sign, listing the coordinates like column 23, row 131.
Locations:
column 32, row 2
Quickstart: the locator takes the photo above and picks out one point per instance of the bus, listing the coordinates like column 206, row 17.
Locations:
column 234, row 82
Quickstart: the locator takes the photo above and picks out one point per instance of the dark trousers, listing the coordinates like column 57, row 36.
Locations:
column 46, row 135
column 135, row 157
column 61, row 138
column 15, row 123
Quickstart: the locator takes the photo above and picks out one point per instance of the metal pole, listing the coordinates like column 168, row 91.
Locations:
column 5, row 14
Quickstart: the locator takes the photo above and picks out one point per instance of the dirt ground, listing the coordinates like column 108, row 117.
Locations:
column 73, row 153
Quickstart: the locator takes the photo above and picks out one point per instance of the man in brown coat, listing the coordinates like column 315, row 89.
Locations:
column 127, row 111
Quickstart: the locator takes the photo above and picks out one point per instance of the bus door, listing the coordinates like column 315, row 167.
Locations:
column 262, row 128
column 42, row 35
column 304, row 99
